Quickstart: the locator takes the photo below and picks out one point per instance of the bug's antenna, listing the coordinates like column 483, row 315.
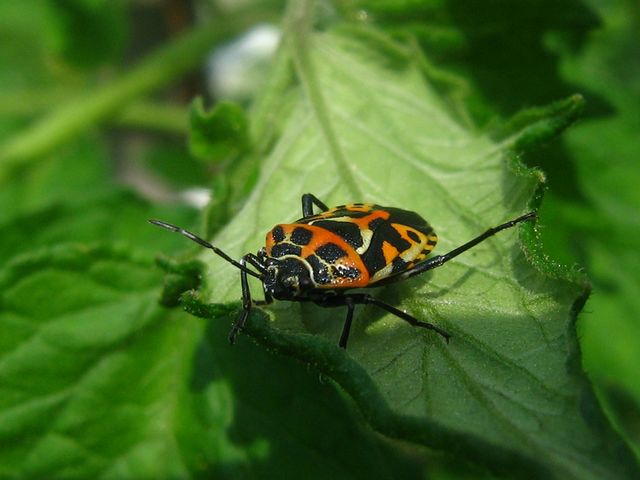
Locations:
column 204, row 243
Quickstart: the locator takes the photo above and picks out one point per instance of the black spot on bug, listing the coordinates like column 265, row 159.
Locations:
column 410, row 219
column 345, row 272
column 375, row 223
column 330, row 252
column 345, row 211
column 278, row 234
column 347, row 230
column 283, row 249
column 293, row 267
column 374, row 258
column 320, row 271
column 301, row 236
column 413, row 236
column 398, row 265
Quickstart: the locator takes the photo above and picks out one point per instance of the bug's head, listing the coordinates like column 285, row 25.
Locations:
column 288, row 278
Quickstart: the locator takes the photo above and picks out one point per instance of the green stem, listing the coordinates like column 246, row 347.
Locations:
column 167, row 118
column 143, row 114
column 33, row 101
column 94, row 108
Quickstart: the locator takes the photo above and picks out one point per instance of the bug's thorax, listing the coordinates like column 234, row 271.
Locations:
column 314, row 258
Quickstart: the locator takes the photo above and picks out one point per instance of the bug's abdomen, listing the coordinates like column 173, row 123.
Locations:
column 388, row 240
column 396, row 248
column 333, row 263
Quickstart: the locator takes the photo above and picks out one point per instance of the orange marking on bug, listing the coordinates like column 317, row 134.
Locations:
column 347, row 282
column 389, row 251
column 363, row 222
column 269, row 242
column 359, row 208
column 320, row 237
column 405, row 232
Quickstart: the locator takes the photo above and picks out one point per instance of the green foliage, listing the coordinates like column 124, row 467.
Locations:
column 392, row 371
column 216, row 135
column 103, row 348
column 604, row 216
column 101, row 374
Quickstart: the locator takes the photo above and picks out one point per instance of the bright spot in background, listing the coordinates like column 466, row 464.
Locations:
column 196, row 197
column 238, row 69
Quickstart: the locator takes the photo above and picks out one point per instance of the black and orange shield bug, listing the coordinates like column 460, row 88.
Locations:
column 322, row 256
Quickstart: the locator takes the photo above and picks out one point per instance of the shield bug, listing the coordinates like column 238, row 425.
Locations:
column 322, row 256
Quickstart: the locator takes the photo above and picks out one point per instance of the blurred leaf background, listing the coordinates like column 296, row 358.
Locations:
column 95, row 106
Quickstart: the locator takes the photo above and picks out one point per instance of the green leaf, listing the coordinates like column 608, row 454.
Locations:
column 95, row 30
column 97, row 380
column 599, row 228
column 221, row 137
column 32, row 27
column 72, row 175
column 91, row 220
column 172, row 162
column 218, row 134
column 508, row 391
column 68, row 199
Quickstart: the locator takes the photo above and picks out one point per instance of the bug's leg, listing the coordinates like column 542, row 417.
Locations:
column 246, row 304
column 347, row 323
column 268, row 299
column 438, row 260
column 406, row 317
column 366, row 299
column 308, row 201
column 258, row 262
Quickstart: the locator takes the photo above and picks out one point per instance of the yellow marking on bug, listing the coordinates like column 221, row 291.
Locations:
column 382, row 273
column 366, row 236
